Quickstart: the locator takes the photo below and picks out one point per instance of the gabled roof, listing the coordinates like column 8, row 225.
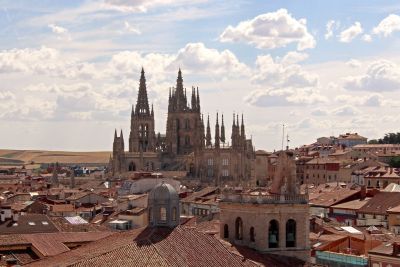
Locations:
column 181, row 246
column 381, row 202
column 27, row 224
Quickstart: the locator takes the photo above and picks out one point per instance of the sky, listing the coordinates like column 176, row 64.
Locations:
column 69, row 70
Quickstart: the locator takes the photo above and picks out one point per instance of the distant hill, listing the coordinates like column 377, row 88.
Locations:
column 9, row 156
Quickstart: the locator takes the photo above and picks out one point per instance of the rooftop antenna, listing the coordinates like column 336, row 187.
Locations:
column 283, row 134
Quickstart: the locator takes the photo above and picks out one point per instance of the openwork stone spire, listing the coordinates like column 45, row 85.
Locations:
column 142, row 104
column 208, row 135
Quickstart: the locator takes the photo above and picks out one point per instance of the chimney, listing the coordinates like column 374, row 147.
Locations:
column 396, row 248
column 363, row 192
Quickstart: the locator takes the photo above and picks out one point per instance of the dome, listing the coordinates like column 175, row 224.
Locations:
column 164, row 192
column 163, row 206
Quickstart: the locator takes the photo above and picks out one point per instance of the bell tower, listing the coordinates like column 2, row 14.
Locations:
column 142, row 136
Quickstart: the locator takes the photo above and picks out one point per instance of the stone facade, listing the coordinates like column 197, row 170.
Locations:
column 187, row 144
column 276, row 221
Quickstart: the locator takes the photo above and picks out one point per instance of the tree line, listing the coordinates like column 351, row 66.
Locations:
column 389, row 138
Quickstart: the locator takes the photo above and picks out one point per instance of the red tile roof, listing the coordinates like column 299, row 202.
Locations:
column 181, row 246
column 381, row 202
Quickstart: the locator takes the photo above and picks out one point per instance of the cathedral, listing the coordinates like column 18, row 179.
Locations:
column 187, row 144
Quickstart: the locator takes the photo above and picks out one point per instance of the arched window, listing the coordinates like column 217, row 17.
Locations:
column 226, row 231
column 290, row 233
column 163, row 214
column 174, row 213
column 273, row 234
column 239, row 228
column 377, row 184
column 252, row 236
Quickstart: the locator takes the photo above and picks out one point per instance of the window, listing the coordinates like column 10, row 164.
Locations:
column 226, row 231
column 225, row 162
column 174, row 214
column 252, row 237
column 210, row 172
column 225, row 173
column 210, row 162
column 290, row 233
column 239, row 228
column 163, row 214
column 273, row 234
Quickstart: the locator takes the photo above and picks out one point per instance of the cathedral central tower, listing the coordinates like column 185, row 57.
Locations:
column 185, row 127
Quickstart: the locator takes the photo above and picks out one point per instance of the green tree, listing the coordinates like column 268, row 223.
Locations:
column 395, row 162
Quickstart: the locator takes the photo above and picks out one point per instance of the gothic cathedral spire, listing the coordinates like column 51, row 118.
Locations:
column 142, row 104
column 217, row 139
column 223, row 130
column 208, row 135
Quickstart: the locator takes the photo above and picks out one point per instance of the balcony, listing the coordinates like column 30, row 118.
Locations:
column 264, row 199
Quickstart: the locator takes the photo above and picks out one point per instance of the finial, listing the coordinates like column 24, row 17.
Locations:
column 217, row 117
column 142, row 70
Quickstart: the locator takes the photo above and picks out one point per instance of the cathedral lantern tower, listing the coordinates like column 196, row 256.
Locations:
column 142, row 136
column 185, row 128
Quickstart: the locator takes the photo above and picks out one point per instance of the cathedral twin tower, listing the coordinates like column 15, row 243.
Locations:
column 185, row 133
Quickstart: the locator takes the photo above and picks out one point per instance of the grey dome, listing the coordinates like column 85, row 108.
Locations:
column 163, row 192
column 163, row 206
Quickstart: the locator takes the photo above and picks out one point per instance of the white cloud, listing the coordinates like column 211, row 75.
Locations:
column 350, row 33
column 44, row 61
column 354, row 63
column 387, row 26
column 330, row 25
column 285, row 97
column 319, row 112
column 346, row 111
column 195, row 57
column 271, row 30
column 367, row 38
column 144, row 5
column 381, row 75
column 6, row 95
column 58, row 29
column 370, row 100
column 61, row 32
column 278, row 74
column 129, row 28
column 294, row 57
